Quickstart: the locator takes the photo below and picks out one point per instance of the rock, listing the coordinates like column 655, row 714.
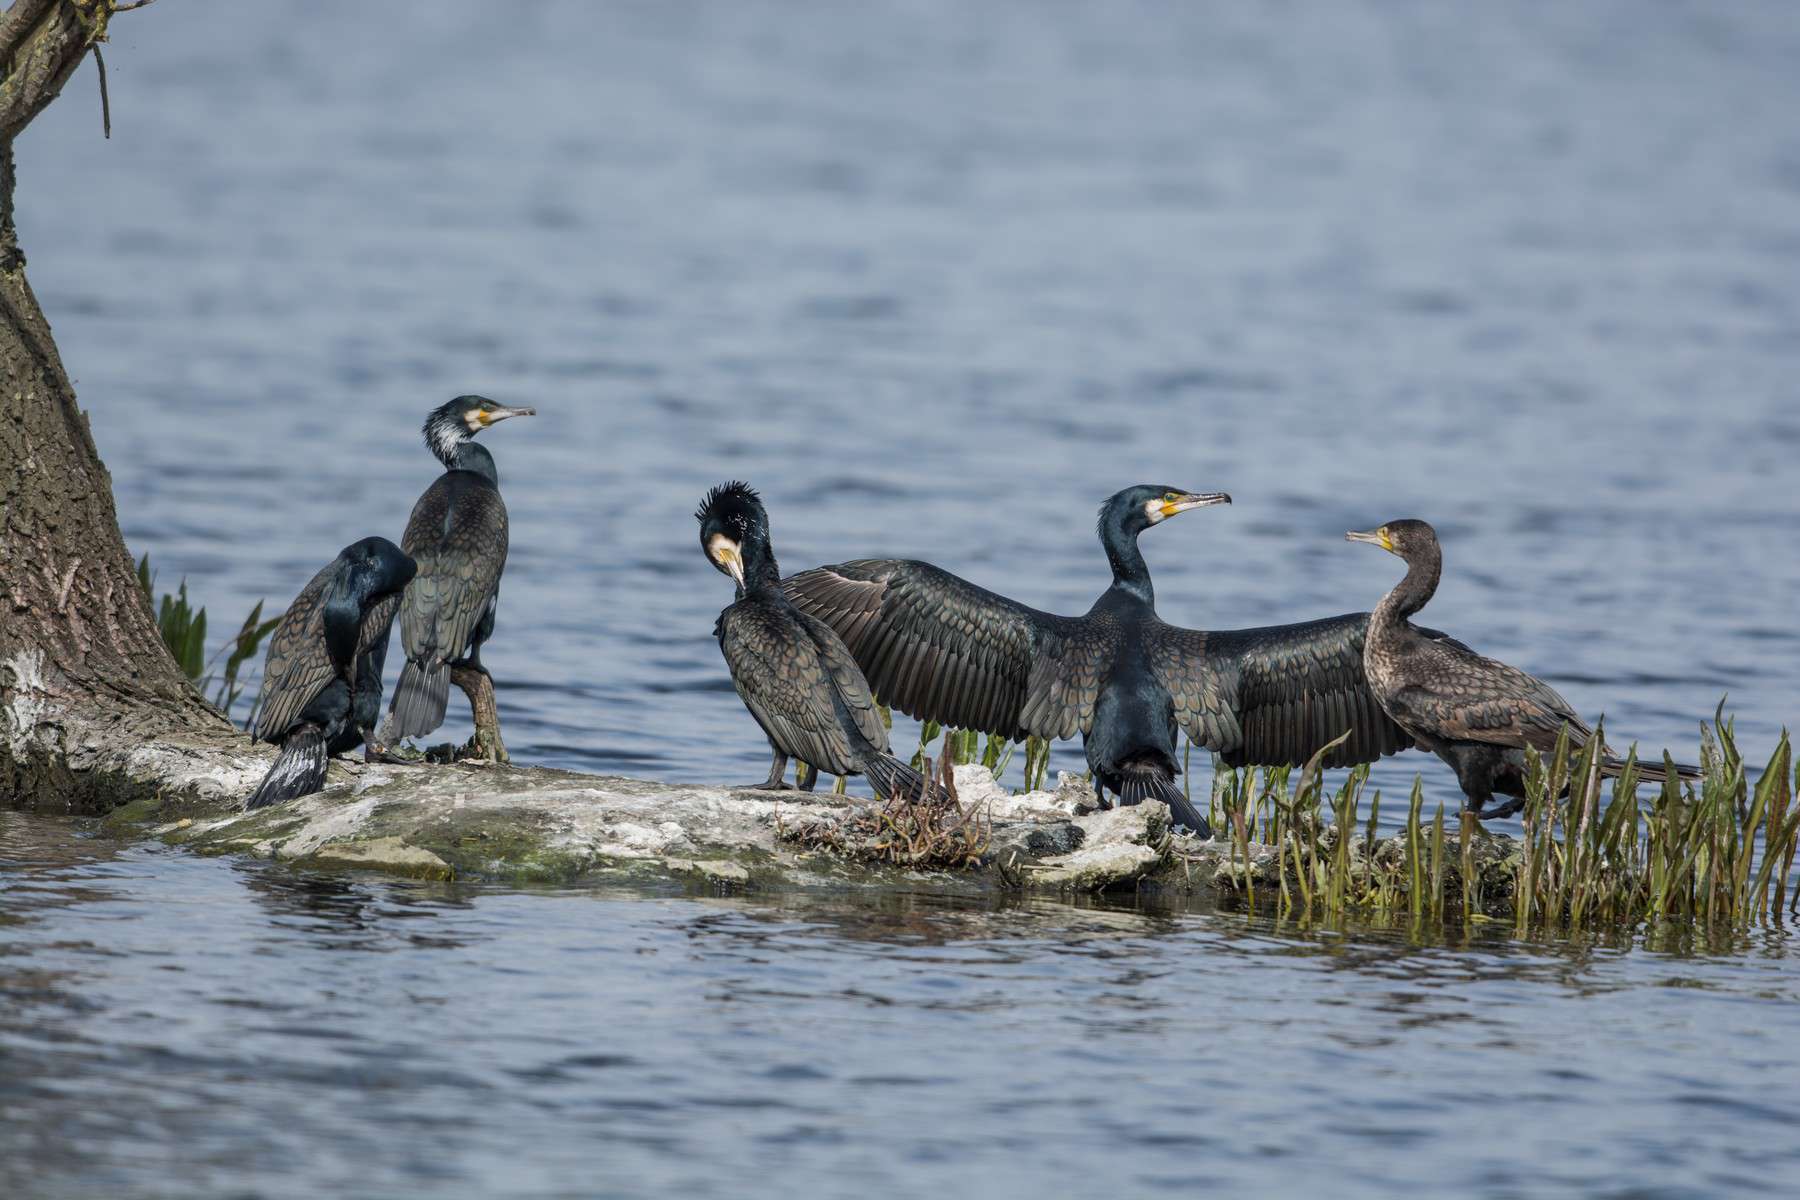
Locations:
column 1076, row 792
column 1096, row 870
column 727, row 873
column 1119, row 846
column 1031, row 840
column 389, row 855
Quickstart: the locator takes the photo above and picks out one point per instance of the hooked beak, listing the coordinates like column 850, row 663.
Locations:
column 1376, row 537
column 1193, row 500
column 724, row 553
column 493, row 416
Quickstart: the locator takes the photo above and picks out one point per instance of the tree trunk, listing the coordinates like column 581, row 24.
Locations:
column 84, row 675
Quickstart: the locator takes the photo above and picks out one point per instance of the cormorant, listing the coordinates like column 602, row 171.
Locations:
column 937, row 647
column 794, row 674
column 458, row 534
column 321, row 689
column 1473, row 712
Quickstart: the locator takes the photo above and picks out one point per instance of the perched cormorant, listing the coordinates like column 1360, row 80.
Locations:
column 457, row 532
column 321, row 689
column 794, row 674
column 937, row 647
column 1473, row 712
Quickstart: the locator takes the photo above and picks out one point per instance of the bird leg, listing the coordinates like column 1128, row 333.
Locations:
column 777, row 781
column 1504, row 809
column 1475, row 774
column 807, row 777
column 478, row 686
column 376, row 751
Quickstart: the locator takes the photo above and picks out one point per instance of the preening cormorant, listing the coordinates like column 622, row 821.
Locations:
column 794, row 674
column 1475, row 713
column 321, row 689
column 937, row 647
column 458, row 535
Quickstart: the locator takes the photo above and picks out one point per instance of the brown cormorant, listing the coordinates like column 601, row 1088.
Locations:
column 939, row 648
column 321, row 688
column 794, row 674
column 1473, row 712
column 458, row 534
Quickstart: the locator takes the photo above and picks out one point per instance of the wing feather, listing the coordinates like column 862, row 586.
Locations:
column 297, row 667
column 939, row 648
column 787, row 684
column 1275, row 695
column 458, row 536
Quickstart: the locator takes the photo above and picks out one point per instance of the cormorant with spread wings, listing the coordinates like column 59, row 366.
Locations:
column 940, row 648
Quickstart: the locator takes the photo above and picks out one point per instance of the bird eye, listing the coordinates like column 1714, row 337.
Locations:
column 1171, row 497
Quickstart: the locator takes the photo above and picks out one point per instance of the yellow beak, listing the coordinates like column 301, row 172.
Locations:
column 1193, row 500
column 493, row 416
column 724, row 552
column 1376, row 537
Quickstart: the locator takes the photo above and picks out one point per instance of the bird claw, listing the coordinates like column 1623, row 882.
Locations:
column 377, row 751
column 1495, row 812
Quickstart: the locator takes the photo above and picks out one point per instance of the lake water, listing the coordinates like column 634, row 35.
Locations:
column 936, row 278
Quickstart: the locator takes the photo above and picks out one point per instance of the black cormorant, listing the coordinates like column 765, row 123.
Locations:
column 1473, row 712
column 321, row 689
column 794, row 674
column 458, row 534
column 937, row 647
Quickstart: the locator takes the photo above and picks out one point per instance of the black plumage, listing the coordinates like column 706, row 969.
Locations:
column 937, row 647
column 792, row 671
column 321, row 689
column 1474, row 712
column 458, row 534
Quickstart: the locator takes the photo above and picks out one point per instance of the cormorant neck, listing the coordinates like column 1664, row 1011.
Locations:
column 343, row 618
column 474, row 458
column 762, row 574
column 1423, row 567
column 445, row 436
column 1131, row 574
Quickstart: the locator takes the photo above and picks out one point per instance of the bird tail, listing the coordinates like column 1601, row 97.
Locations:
column 420, row 700
column 299, row 769
column 1139, row 782
column 893, row 779
column 1649, row 772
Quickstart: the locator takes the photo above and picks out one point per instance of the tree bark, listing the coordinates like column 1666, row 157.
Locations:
column 84, row 674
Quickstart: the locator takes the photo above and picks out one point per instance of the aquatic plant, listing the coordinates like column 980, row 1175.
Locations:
column 183, row 629
column 1719, row 852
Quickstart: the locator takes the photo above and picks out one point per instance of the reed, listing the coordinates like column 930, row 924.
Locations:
column 1591, row 853
column 183, row 629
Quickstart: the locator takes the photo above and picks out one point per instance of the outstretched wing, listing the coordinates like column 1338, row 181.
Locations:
column 458, row 536
column 787, row 686
column 939, row 648
column 297, row 668
column 1276, row 695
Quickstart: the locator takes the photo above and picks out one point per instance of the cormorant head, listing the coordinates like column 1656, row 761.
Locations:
column 1407, row 537
column 1138, row 508
column 453, row 423
column 378, row 567
column 734, row 529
